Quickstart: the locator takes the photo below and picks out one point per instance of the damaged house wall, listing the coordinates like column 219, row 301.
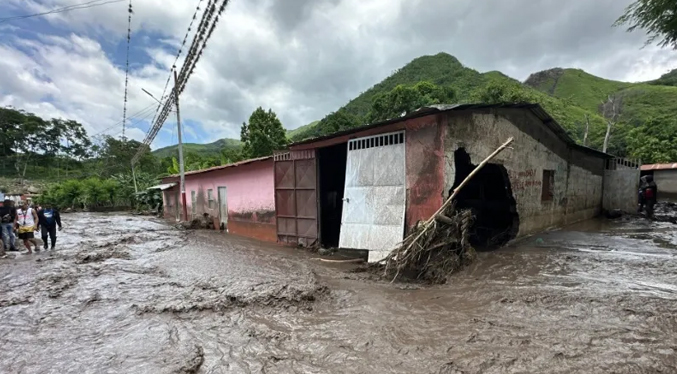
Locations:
column 552, row 183
column 250, row 199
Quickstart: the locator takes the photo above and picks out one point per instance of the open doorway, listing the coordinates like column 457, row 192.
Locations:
column 489, row 195
column 332, row 161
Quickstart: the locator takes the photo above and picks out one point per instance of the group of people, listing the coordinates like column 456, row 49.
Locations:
column 24, row 221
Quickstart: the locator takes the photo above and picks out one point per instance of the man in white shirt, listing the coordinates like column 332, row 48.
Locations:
column 26, row 222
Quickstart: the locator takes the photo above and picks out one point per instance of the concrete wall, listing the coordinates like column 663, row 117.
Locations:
column 250, row 198
column 620, row 189
column 666, row 180
column 425, row 167
column 578, row 176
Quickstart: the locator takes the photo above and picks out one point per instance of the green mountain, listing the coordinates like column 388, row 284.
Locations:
column 638, row 102
column 209, row 149
column 445, row 70
column 215, row 148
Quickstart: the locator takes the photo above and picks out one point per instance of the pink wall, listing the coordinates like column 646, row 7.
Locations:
column 250, row 196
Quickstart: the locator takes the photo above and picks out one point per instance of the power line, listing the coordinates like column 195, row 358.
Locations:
column 120, row 122
column 178, row 54
column 87, row 5
column 202, row 35
column 129, row 37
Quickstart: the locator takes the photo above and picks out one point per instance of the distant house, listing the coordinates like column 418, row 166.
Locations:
column 16, row 197
column 240, row 195
column 665, row 176
column 365, row 187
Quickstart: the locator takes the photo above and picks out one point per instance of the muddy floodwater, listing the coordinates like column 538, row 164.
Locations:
column 124, row 294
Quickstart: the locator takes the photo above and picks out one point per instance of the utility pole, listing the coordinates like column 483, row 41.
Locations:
column 136, row 189
column 181, row 169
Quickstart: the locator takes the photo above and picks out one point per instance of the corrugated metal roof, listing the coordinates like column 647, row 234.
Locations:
column 162, row 187
column 213, row 168
column 536, row 109
column 659, row 166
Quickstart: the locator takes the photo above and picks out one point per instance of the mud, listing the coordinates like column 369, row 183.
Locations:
column 128, row 294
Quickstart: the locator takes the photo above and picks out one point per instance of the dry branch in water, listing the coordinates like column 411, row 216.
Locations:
column 439, row 246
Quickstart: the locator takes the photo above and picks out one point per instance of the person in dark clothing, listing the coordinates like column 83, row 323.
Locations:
column 48, row 220
column 648, row 195
column 7, row 216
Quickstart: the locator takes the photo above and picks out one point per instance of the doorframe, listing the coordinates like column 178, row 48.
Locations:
column 223, row 218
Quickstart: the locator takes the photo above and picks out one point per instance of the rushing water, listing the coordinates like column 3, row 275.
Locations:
column 127, row 294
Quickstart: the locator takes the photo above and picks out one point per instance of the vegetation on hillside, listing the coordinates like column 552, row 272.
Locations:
column 204, row 150
column 667, row 79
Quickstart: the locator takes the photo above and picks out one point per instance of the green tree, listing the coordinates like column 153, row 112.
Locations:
column 263, row 134
column 403, row 99
column 230, row 155
column 174, row 167
column 657, row 17
column 496, row 92
column 115, row 157
column 27, row 137
column 338, row 121
column 655, row 142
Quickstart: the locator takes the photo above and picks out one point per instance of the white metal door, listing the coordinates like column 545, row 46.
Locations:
column 223, row 207
column 375, row 194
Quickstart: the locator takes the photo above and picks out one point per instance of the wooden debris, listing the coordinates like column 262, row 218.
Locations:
column 437, row 247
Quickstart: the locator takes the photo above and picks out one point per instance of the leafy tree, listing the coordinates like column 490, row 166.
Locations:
column 402, row 100
column 174, row 167
column 115, row 157
column 263, row 134
column 26, row 137
column 654, row 142
column 496, row 92
column 230, row 155
column 657, row 17
column 338, row 121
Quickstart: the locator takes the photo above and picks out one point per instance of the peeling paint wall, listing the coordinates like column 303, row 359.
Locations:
column 578, row 176
column 425, row 167
column 250, row 198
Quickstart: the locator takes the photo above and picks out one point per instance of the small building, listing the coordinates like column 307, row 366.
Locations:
column 665, row 176
column 364, row 188
column 15, row 197
column 240, row 196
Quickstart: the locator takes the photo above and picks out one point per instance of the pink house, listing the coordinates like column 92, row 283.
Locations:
column 241, row 196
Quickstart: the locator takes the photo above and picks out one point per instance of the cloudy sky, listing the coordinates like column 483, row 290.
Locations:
column 302, row 58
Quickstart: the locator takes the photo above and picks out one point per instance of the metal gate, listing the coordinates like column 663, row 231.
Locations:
column 374, row 201
column 296, row 197
column 620, row 185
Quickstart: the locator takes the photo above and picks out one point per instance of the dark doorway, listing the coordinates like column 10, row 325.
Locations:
column 489, row 195
column 332, row 184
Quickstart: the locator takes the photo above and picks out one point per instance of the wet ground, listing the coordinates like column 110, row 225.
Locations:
column 127, row 294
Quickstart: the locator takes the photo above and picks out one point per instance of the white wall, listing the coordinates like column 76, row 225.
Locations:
column 666, row 180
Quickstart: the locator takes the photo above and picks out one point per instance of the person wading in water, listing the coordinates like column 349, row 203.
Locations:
column 48, row 220
column 27, row 222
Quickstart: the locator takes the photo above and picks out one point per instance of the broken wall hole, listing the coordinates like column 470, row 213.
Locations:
column 332, row 178
column 489, row 196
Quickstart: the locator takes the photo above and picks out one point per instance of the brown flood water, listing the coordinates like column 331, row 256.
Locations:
column 127, row 294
